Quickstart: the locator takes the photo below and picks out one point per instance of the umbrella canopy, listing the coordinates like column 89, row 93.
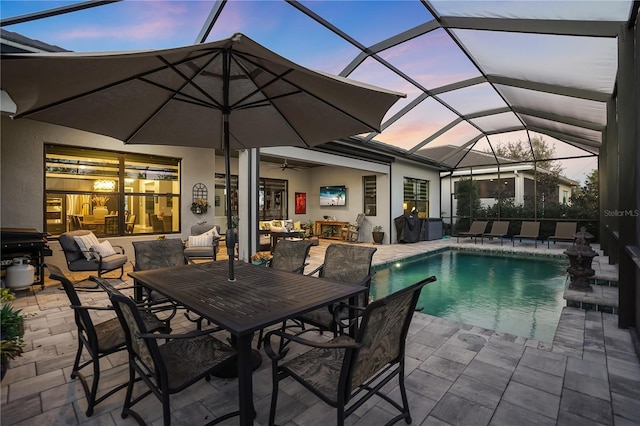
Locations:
column 229, row 94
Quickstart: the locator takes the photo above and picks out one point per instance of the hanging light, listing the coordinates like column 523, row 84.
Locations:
column 104, row 185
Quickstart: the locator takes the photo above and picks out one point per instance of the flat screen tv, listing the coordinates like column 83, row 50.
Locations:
column 333, row 195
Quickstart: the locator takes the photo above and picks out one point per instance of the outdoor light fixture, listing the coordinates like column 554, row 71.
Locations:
column 104, row 185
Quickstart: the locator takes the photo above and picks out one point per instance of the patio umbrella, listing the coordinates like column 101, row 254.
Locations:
column 228, row 94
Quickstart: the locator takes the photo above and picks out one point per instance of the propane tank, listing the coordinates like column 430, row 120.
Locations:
column 20, row 274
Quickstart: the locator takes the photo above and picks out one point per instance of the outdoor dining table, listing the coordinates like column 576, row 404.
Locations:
column 258, row 298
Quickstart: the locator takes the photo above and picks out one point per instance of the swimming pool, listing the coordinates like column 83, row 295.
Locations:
column 517, row 295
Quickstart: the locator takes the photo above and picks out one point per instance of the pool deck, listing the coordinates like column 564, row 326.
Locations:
column 457, row 374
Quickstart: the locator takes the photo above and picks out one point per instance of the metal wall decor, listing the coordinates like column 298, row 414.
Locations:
column 200, row 199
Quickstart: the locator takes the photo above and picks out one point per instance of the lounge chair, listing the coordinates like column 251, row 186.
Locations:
column 565, row 231
column 476, row 230
column 499, row 229
column 529, row 230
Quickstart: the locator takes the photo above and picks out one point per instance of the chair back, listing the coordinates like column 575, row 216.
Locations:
column 69, row 246
column 566, row 229
column 144, row 351
column 531, row 229
column 111, row 225
column 382, row 335
column 131, row 222
column 82, row 318
column 499, row 227
column 478, row 227
column 349, row 264
column 156, row 223
column 74, row 223
column 290, row 255
column 154, row 254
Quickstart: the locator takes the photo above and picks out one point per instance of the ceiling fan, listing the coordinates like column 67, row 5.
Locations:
column 286, row 166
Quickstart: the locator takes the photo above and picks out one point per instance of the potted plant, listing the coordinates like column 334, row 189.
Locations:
column 11, row 330
column 200, row 206
column 377, row 234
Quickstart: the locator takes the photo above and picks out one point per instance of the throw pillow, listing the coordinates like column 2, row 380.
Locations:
column 104, row 249
column 296, row 225
column 85, row 242
column 202, row 240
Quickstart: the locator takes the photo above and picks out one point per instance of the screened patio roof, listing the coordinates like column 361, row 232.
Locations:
column 476, row 73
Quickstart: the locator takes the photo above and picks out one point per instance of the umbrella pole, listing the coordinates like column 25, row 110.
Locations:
column 231, row 234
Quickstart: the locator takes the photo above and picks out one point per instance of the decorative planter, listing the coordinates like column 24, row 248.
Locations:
column 377, row 237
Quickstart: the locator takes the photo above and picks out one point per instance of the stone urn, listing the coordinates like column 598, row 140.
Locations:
column 580, row 257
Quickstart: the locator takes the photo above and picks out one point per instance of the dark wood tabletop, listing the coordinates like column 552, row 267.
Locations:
column 259, row 297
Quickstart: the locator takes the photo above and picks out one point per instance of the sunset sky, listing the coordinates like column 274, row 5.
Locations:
column 430, row 61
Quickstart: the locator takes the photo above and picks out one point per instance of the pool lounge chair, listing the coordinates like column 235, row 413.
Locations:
column 565, row 231
column 499, row 229
column 476, row 230
column 530, row 231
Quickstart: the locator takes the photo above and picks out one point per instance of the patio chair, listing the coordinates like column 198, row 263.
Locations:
column 345, row 372
column 203, row 243
column 155, row 254
column 565, row 231
column 290, row 256
column 350, row 232
column 99, row 339
column 168, row 368
column 346, row 264
column 499, row 229
column 476, row 230
column 85, row 253
column 528, row 230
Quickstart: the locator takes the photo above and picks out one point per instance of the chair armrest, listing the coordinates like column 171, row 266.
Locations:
column 318, row 269
column 300, row 268
column 196, row 333
column 97, row 308
column 268, row 347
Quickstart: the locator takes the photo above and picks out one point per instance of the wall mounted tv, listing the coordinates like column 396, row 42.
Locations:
column 333, row 195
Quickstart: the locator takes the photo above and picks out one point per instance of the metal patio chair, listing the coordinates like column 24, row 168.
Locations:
column 98, row 339
column 345, row 372
column 344, row 263
column 169, row 368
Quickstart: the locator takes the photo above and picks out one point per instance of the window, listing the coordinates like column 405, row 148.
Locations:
column 416, row 195
column 110, row 193
column 497, row 188
column 369, row 188
column 273, row 199
column 565, row 196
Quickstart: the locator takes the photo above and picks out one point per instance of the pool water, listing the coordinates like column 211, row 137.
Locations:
column 517, row 295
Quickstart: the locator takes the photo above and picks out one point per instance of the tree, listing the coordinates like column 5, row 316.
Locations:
column 586, row 196
column 547, row 178
column 468, row 202
column 543, row 153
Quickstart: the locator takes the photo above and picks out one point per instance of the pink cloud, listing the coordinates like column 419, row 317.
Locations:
column 143, row 21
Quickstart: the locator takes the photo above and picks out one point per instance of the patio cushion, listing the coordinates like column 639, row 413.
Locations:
column 105, row 249
column 85, row 242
